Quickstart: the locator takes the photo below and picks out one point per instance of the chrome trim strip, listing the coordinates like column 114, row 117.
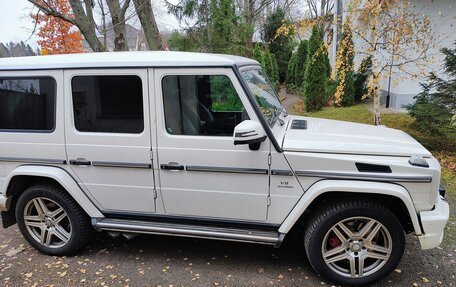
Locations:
column 187, row 231
column 226, row 169
column 281, row 172
column 387, row 178
column 33, row 160
column 121, row 164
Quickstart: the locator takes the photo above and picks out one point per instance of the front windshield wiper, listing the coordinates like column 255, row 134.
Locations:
column 284, row 112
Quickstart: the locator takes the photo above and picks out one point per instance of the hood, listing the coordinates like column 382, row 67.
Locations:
column 331, row 136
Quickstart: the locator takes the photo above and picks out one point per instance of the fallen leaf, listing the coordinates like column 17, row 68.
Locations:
column 63, row 274
column 28, row 275
column 280, row 276
column 424, row 279
column 83, row 271
column 15, row 251
column 398, row 270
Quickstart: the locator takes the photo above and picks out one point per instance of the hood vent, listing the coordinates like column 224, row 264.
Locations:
column 299, row 125
column 366, row 167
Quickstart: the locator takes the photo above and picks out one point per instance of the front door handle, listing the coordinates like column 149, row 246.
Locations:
column 172, row 166
column 81, row 162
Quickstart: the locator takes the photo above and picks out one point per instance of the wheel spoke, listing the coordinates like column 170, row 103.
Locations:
column 62, row 234
column 345, row 229
column 46, row 236
column 376, row 255
column 334, row 251
column 33, row 221
column 337, row 258
column 59, row 215
column 352, row 265
column 361, row 266
column 373, row 232
column 365, row 230
column 378, row 248
column 40, row 207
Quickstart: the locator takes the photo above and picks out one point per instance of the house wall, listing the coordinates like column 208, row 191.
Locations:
column 443, row 22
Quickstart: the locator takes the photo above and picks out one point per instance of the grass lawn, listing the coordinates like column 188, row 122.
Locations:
column 443, row 149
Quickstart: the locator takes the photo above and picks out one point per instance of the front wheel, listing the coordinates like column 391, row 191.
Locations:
column 51, row 221
column 354, row 242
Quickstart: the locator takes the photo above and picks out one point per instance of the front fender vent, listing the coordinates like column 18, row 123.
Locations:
column 367, row 167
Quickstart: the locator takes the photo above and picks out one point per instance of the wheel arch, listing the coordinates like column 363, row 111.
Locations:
column 27, row 175
column 326, row 190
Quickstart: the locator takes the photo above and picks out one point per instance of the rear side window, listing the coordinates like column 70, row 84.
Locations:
column 108, row 104
column 27, row 104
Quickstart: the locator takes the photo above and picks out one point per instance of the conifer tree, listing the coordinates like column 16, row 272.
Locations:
column 257, row 54
column 345, row 92
column 268, row 65
column 434, row 109
column 315, row 76
column 300, row 65
column 289, row 79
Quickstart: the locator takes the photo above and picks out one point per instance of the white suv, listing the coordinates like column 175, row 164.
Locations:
column 199, row 145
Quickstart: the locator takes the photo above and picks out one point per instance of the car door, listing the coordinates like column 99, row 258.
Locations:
column 108, row 138
column 202, row 173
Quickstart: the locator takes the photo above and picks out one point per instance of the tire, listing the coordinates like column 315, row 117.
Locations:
column 354, row 242
column 51, row 221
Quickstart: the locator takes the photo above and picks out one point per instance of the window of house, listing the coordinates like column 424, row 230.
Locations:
column 108, row 104
column 27, row 104
column 201, row 105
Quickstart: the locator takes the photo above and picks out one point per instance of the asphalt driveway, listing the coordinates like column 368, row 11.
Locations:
column 171, row 261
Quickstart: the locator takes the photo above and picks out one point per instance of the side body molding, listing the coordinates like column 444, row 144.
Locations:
column 353, row 186
column 62, row 177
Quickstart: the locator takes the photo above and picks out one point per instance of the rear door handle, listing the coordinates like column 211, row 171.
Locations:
column 82, row 162
column 172, row 166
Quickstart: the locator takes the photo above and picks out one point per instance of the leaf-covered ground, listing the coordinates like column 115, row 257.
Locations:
column 172, row 261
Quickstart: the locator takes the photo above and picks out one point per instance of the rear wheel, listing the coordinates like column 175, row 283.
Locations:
column 51, row 221
column 354, row 243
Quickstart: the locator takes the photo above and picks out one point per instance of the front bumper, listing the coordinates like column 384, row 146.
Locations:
column 433, row 223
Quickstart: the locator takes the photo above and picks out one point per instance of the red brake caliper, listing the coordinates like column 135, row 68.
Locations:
column 334, row 241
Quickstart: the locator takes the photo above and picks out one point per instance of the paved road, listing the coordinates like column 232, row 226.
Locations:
column 171, row 261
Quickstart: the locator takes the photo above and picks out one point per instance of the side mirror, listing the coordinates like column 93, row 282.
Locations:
column 249, row 132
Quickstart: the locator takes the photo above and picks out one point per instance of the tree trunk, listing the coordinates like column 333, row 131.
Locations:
column 248, row 18
column 148, row 23
column 376, row 95
column 118, row 24
column 86, row 24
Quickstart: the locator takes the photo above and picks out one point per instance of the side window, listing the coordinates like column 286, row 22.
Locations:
column 27, row 104
column 201, row 105
column 108, row 104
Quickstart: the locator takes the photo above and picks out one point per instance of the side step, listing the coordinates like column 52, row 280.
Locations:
column 187, row 230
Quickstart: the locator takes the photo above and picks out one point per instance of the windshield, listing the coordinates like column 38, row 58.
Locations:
column 264, row 93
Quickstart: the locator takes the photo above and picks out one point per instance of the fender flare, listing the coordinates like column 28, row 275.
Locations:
column 63, row 178
column 353, row 186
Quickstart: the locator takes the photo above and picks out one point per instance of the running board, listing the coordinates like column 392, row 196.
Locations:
column 185, row 230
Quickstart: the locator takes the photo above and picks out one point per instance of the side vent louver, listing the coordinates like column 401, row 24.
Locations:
column 299, row 125
column 366, row 167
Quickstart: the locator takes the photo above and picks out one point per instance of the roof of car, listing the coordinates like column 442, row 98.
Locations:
column 123, row 60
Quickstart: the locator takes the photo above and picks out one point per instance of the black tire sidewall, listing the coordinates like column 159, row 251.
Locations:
column 383, row 216
column 34, row 192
